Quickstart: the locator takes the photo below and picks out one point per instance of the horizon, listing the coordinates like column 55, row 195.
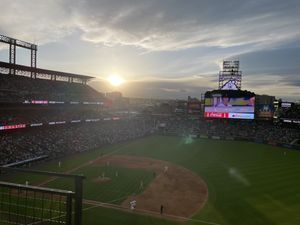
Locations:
column 166, row 50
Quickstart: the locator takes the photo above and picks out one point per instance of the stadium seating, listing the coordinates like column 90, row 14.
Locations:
column 61, row 140
column 56, row 140
column 249, row 130
column 19, row 88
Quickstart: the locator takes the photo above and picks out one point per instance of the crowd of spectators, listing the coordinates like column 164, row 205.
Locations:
column 62, row 140
column 59, row 140
column 21, row 88
column 291, row 113
column 253, row 130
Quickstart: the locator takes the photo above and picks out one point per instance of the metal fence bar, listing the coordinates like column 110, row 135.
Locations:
column 78, row 200
column 48, row 173
column 35, row 188
column 69, row 210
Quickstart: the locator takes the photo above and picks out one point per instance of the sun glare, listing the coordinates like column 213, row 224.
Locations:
column 115, row 80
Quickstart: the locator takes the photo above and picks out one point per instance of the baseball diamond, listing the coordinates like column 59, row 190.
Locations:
column 208, row 182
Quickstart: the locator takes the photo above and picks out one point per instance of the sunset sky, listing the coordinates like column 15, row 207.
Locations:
column 162, row 48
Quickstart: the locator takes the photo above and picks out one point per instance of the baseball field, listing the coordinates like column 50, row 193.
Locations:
column 197, row 181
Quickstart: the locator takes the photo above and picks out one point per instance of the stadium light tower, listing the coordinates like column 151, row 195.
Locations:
column 13, row 43
column 230, row 78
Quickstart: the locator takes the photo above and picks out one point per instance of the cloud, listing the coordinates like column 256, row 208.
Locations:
column 283, row 61
column 155, row 25
column 173, row 25
column 159, row 88
column 36, row 21
column 281, row 86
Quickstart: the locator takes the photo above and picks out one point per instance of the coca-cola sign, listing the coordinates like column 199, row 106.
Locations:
column 216, row 115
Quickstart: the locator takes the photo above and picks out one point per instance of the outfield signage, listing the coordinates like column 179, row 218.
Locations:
column 19, row 126
column 39, row 102
column 290, row 121
column 46, row 102
column 241, row 116
column 12, row 127
column 57, row 122
column 216, row 115
column 92, row 120
column 75, row 121
column 229, row 115
column 55, row 102
column 36, row 124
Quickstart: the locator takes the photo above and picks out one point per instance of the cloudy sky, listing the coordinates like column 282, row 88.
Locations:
column 162, row 48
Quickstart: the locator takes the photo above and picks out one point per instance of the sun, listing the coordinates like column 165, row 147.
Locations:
column 115, row 80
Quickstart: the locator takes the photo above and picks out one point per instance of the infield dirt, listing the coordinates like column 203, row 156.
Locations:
column 181, row 192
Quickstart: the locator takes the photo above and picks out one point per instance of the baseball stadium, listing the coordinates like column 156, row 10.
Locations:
column 70, row 154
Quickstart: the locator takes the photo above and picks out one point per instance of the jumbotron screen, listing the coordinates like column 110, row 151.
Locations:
column 222, row 106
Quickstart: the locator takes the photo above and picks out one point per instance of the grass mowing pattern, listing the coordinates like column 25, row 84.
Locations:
column 271, row 194
column 114, row 191
column 248, row 183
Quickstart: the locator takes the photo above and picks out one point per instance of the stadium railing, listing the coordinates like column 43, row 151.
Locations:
column 24, row 204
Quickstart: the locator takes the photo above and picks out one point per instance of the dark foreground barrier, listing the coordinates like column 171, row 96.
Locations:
column 32, row 205
column 24, row 204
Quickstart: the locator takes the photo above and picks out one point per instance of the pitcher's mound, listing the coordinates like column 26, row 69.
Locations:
column 101, row 180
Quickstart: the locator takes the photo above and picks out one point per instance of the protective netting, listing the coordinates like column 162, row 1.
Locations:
column 28, row 205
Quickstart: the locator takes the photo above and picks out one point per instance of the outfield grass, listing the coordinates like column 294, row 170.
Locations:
column 248, row 183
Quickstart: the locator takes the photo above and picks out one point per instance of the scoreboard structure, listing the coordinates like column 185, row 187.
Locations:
column 230, row 78
column 228, row 104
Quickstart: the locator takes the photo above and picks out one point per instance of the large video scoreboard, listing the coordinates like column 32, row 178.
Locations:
column 229, row 104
